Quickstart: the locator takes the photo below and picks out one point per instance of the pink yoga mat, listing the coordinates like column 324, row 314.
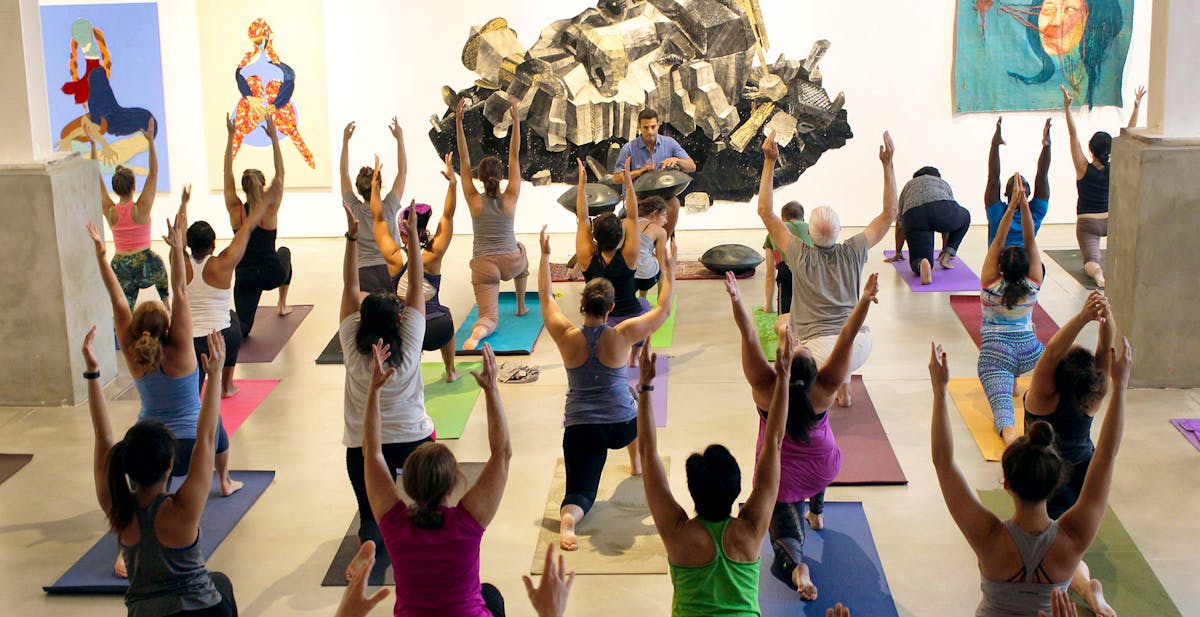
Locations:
column 971, row 315
column 270, row 333
column 867, row 455
column 236, row 409
column 1185, row 426
column 960, row 278
column 658, row 398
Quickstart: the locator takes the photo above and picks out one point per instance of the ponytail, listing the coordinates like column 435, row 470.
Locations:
column 1014, row 268
column 428, row 516
column 124, row 506
column 491, row 169
column 142, row 458
column 148, row 351
column 1033, row 467
column 430, row 475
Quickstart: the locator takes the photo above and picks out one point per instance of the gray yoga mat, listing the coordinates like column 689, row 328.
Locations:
column 1072, row 261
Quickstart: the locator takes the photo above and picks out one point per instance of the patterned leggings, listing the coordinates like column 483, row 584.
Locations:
column 137, row 271
column 1002, row 357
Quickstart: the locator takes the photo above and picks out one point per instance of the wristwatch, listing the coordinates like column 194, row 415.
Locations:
column 645, row 387
column 91, row 374
column 350, row 237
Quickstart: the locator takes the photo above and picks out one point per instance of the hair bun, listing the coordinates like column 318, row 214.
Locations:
column 1040, row 434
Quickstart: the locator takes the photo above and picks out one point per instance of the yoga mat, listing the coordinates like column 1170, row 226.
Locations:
column 450, row 404
column 1072, row 261
column 685, row 270
column 970, row 313
column 867, row 455
column 843, row 564
column 93, row 573
column 271, row 332
column 658, row 398
column 765, row 322
column 617, row 536
column 382, row 574
column 1130, row 585
column 1181, row 424
column 665, row 334
column 975, row 410
column 514, row 336
column 959, row 278
column 332, row 354
column 236, row 409
column 10, row 464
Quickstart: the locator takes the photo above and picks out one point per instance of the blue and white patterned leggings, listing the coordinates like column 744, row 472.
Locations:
column 1002, row 357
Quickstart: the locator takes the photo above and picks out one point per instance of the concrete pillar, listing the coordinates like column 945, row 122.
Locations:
column 52, row 292
column 1174, row 88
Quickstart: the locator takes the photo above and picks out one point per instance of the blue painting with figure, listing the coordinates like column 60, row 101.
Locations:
column 104, row 81
column 1013, row 56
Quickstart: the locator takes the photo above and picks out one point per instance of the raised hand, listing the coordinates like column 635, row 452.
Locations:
column 351, row 220
column 870, row 289
column 1138, row 94
column 355, row 602
column 543, row 239
column 646, row 369
column 939, row 367
column 379, row 356
column 175, row 232
column 887, row 150
column 486, row 378
column 1096, row 307
column 550, row 598
column 1018, row 193
column 89, row 358
column 410, row 222
column 229, row 128
column 732, row 288
column 214, row 360
column 1061, row 605
column 95, row 234
column 784, row 352
column 997, row 138
column 770, row 148
column 1066, row 94
column 375, row 175
column 395, row 129
column 448, row 172
column 581, row 177
column 148, row 132
column 1122, row 363
column 269, row 127
column 458, row 109
column 514, row 109
column 1046, row 133
column 348, row 132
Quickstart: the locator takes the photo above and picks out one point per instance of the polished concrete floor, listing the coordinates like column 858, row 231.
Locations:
column 279, row 552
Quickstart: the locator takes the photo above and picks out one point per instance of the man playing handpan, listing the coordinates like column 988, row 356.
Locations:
column 651, row 152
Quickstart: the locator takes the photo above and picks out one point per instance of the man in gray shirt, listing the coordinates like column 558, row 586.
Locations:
column 827, row 277
column 372, row 267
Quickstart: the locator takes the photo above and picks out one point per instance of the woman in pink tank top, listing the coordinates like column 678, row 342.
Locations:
column 434, row 542
column 136, row 266
column 810, row 458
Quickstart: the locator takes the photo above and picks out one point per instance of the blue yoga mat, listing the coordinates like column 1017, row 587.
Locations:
column 93, row 573
column 514, row 336
column 844, row 566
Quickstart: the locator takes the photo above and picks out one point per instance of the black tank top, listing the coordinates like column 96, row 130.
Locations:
column 1093, row 191
column 260, row 248
column 1072, row 429
column 622, row 278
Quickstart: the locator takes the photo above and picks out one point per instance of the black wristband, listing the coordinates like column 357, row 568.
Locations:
column 646, row 388
column 350, row 237
column 91, row 374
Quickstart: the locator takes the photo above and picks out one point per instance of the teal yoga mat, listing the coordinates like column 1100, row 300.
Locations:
column 514, row 336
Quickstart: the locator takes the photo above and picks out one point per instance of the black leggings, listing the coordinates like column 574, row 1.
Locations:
column 940, row 216
column 493, row 600
column 227, row 607
column 395, row 454
column 251, row 281
column 787, row 534
column 783, row 278
column 233, row 342
column 585, row 449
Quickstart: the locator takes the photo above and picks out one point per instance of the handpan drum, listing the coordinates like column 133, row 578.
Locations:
column 601, row 198
column 665, row 183
column 736, row 258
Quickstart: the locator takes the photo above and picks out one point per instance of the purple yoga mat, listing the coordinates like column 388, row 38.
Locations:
column 961, row 278
column 271, row 332
column 1188, row 428
column 658, row 397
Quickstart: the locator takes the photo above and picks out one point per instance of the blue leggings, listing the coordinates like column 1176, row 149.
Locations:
column 1002, row 357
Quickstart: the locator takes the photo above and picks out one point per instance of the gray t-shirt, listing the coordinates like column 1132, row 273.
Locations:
column 826, row 282
column 402, row 399
column 923, row 190
column 368, row 249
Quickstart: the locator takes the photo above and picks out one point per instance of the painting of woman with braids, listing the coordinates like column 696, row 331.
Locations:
column 113, row 48
column 266, row 85
column 1015, row 55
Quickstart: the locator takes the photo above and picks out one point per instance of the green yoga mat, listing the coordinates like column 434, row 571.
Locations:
column 450, row 404
column 1130, row 586
column 765, row 322
column 665, row 334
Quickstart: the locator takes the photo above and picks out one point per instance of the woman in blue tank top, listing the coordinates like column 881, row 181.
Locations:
column 159, row 533
column 1029, row 557
column 601, row 412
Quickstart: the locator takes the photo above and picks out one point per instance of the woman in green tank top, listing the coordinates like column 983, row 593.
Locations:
column 714, row 557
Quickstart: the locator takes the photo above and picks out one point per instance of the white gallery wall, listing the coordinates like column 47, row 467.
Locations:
column 893, row 59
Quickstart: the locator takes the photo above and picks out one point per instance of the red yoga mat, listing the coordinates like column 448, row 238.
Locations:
column 235, row 409
column 971, row 315
column 867, row 455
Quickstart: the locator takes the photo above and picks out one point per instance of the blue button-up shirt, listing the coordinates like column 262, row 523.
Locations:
column 636, row 150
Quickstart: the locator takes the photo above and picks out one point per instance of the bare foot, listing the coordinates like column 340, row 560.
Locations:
column 230, row 486
column 522, row 310
column 926, row 272
column 816, row 521
column 284, row 310
column 470, row 343
column 230, row 391
column 1008, row 435
column 843, row 396
column 358, row 562
column 1096, row 600
column 452, row 375
column 566, row 534
column 119, row 567
column 804, row 584
column 946, row 261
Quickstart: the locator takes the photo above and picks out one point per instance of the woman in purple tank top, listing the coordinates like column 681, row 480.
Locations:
column 810, row 457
